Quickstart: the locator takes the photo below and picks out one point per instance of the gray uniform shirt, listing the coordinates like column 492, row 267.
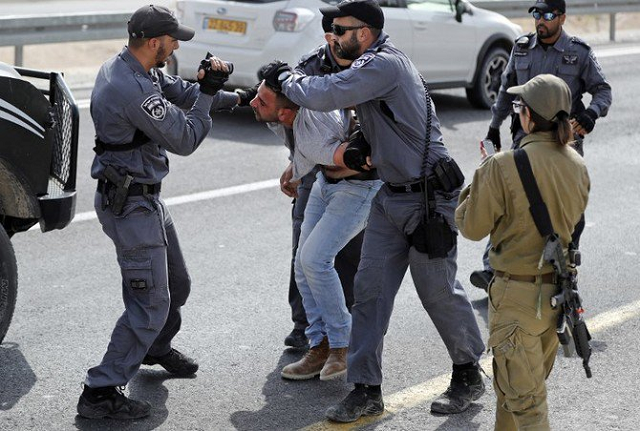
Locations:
column 317, row 136
column 126, row 98
column 389, row 97
column 569, row 58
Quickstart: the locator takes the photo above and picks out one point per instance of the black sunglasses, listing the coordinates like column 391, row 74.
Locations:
column 339, row 30
column 548, row 16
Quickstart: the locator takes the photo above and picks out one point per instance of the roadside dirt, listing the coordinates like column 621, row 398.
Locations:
column 80, row 60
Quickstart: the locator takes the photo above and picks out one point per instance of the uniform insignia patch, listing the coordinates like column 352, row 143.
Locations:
column 569, row 59
column 155, row 107
column 362, row 60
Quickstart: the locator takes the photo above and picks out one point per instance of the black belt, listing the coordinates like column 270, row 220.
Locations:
column 413, row 187
column 136, row 189
column 362, row 176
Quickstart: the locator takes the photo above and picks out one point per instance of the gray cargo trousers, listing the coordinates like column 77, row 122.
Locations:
column 155, row 284
column 386, row 254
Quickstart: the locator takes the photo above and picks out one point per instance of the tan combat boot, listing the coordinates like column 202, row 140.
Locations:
column 310, row 365
column 336, row 364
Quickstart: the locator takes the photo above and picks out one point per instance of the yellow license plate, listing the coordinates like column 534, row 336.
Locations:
column 225, row 25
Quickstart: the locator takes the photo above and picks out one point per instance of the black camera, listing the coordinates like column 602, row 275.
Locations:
column 206, row 64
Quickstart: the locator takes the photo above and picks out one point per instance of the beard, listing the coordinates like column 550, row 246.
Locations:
column 350, row 51
column 545, row 33
column 161, row 57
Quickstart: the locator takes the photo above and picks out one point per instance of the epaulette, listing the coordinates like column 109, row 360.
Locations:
column 577, row 40
column 524, row 40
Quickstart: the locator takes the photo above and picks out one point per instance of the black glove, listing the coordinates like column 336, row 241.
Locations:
column 247, row 94
column 213, row 80
column 357, row 151
column 587, row 119
column 494, row 136
column 272, row 71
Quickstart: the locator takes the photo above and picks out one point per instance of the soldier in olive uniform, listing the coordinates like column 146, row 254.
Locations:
column 522, row 324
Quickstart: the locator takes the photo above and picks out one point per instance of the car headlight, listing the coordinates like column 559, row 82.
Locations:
column 292, row 20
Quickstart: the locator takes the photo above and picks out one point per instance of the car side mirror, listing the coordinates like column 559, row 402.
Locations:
column 462, row 7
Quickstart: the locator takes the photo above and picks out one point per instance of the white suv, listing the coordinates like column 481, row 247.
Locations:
column 451, row 42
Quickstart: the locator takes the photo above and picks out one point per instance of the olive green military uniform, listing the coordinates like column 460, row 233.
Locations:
column 521, row 322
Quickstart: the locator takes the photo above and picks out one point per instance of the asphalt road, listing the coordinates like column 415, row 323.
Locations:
column 238, row 246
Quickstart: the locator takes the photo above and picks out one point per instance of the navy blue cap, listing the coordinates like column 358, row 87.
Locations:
column 154, row 21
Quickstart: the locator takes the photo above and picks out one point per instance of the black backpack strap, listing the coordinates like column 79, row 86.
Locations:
column 537, row 207
column 139, row 139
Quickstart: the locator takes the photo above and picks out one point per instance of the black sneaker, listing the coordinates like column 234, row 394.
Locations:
column 481, row 279
column 110, row 402
column 466, row 385
column 297, row 339
column 174, row 362
column 360, row 402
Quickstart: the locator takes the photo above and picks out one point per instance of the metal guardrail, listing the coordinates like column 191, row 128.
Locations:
column 39, row 29
column 18, row 31
column 520, row 8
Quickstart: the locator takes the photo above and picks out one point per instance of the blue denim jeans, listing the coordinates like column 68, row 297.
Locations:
column 335, row 213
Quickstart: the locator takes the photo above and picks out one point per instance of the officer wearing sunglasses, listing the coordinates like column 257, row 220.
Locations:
column 550, row 50
column 388, row 94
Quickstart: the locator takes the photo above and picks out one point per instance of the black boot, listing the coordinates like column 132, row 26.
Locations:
column 297, row 339
column 362, row 401
column 110, row 402
column 466, row 386
column 481, row 279
column 174, row 362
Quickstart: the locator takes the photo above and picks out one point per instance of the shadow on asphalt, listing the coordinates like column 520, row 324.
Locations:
column 16, row 376
column 147, row 385
column 482, row 306
column 288, row 404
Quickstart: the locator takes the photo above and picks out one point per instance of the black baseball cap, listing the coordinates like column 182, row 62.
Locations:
column 549, row 6
column 153, row 21
column 326, row 24
column 367, row 11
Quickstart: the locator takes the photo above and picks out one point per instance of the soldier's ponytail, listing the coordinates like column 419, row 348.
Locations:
column 564, row 133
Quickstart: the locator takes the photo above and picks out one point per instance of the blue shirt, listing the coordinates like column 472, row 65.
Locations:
column 386, row 89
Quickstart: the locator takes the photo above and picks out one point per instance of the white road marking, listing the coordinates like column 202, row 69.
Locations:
column 427, row 391
column 195, row 197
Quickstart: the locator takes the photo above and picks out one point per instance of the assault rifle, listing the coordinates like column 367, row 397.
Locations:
column 570, row 322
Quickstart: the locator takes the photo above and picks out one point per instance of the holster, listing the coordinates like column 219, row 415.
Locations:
column 434, row 237
column 447, row 175
column 122, row 182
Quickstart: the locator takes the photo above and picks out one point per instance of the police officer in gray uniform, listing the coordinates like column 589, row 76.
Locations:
column 319, row 62
column 391, row 104
column 550, row 50
column 138, row 117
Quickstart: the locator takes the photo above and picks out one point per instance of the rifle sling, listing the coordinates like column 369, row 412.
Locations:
column 537, row 207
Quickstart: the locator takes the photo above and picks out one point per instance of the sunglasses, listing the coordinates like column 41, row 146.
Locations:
column 339, row 30
column 517, row 107
column 548, row 16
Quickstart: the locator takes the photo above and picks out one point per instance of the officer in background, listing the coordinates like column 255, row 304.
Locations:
column 389, row 98
column 550, row 50
column 320, row 62
column 522, row 323
column 138, row 116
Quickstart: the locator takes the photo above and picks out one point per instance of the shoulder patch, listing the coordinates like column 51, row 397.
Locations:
column 154, row 106
column 362, row 60
column 523, row 40
column 575, row 39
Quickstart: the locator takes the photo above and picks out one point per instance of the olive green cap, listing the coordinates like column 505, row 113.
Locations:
column 546, row 94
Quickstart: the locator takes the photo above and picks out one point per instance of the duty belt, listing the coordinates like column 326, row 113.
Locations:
column 416, row 187
column 362, row 176
column 136, row 189
column 549, row 278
